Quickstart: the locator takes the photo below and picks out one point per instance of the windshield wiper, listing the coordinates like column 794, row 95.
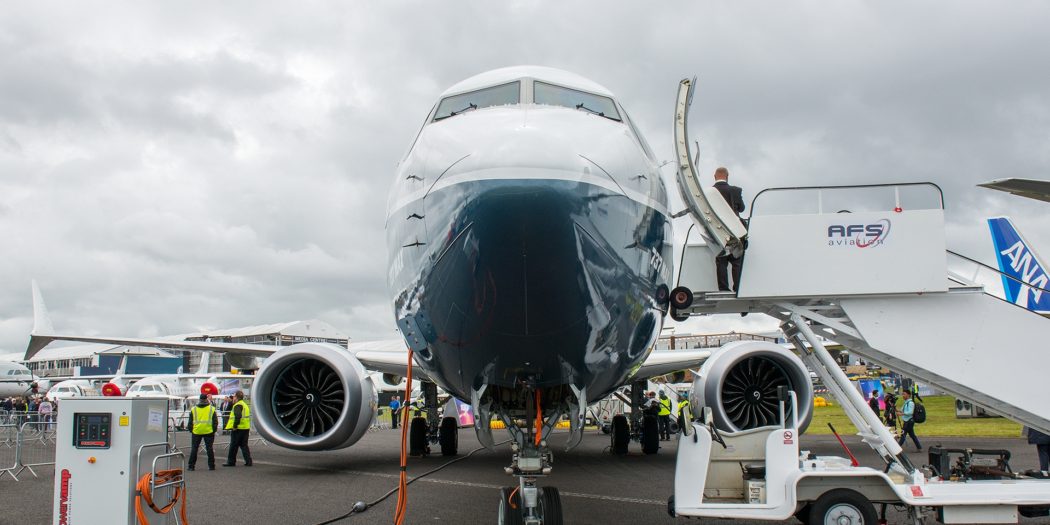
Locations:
column 593, row 112
column 458, row 111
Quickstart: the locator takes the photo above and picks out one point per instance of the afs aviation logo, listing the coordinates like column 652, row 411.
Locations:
column 859, row 235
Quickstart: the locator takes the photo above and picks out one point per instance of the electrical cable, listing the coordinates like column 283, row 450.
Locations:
column 361, row 506
column 143, row 493
column 402, row 487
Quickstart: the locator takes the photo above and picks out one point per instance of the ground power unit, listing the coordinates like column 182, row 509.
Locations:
column 104, row 447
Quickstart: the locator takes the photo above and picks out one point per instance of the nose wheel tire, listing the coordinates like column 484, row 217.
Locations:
column 417, row 437
column 448, row 435
column 621, row 435
column 550, row 506
column 842, row 507
column 511, row 508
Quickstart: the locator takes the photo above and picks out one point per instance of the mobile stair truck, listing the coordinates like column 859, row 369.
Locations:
column 867, row 267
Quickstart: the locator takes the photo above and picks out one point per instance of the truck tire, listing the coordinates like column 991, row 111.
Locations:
column 842, row 507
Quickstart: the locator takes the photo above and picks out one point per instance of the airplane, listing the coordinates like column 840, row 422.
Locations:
column 1025, row 280
column 17, row 380
column 529, row 255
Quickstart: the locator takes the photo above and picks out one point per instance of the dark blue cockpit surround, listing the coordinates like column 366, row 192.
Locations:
column 548, row 282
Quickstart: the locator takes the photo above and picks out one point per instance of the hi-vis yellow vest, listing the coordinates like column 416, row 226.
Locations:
column 202, row 419
column 665, row 406
column 246, row 414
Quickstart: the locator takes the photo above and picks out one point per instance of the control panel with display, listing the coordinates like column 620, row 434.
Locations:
column 92, row 430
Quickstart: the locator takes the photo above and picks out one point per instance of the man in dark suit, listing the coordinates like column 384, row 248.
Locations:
column 734, row 196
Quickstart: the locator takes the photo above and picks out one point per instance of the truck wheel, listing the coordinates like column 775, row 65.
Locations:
column 620, row 435
column 650, row 434
column 842, row 507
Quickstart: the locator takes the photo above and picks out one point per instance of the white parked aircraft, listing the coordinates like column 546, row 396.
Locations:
column 17, row 380
column 529, row 251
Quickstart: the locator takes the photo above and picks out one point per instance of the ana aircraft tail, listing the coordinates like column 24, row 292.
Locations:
column 1025, row 279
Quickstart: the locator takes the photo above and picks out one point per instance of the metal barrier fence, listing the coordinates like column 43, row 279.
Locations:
column 25, row 446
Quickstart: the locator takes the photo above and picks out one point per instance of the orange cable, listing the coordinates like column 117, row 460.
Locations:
column 402, row 489
column 510, row 499
column 142, row 493
column 539, row 418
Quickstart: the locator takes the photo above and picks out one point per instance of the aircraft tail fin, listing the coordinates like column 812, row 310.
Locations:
column 1025, row 280
column 205, row 361
column 123, row 368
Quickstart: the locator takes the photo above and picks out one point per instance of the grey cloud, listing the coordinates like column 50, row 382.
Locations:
column 170, row 167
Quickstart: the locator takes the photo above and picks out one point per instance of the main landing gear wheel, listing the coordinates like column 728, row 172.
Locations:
column 842, row 507
column 621, row 435
column 417, row 437
column 681, row 298
column 510, row 507
column 448, row 435
column 650, row 434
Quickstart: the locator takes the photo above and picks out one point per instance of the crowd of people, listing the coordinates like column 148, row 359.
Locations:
column 28, row 409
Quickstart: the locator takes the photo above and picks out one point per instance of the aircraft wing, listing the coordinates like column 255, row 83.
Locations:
column 663, row 362
column 37, row 341
column 1031, row 188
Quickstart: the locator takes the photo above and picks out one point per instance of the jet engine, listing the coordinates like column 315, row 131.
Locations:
column 740, row 381
column 313, row 396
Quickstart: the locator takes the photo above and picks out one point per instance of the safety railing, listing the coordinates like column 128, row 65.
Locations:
column 8, row 450
column 25, row 447
column 848, row 199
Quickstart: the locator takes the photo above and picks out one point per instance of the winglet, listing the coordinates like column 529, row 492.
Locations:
column 41, row 320
column 42, row 326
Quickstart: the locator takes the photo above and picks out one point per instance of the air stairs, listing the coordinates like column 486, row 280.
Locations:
column 866, row 266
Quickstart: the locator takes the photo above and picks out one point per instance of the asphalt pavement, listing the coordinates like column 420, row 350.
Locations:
column 287, row 487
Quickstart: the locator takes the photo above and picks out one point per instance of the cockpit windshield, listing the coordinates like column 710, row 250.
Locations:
column 552, row 95
column 502, row 95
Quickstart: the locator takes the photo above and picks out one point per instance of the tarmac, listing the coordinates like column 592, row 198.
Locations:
column 288, row 487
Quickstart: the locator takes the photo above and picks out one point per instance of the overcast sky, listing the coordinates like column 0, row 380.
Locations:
column 168, row 167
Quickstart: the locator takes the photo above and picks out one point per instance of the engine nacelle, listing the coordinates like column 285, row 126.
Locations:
column 740, row 380
column 112, row 390
column 313, row 396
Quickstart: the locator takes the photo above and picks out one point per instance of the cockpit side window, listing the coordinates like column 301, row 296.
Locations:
column 502, row 95
column 549, row 94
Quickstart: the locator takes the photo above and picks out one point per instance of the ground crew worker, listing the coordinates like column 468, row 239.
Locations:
column 238, row 424
column 665, row 416
column 915, row 391
column 683, row 407
column 204, row 420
